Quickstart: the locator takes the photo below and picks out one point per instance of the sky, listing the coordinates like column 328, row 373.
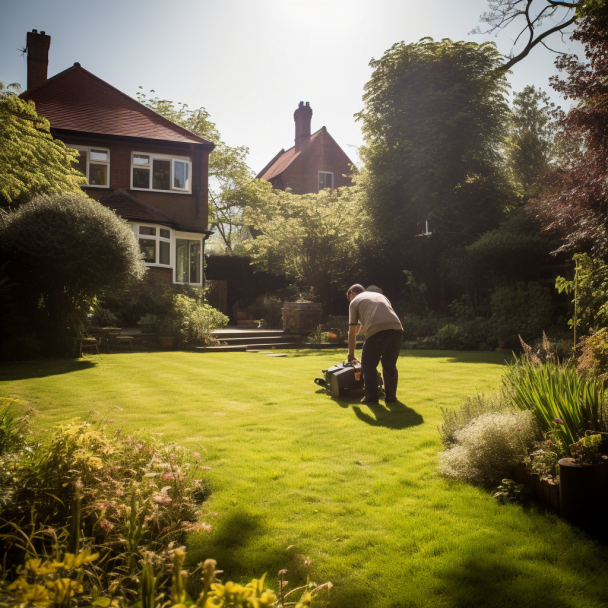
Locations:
column 249, row 62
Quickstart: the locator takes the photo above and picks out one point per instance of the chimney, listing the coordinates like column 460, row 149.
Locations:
column 302, row 117
column 37, row 58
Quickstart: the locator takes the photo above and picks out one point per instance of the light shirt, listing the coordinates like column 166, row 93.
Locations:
column 375, row 313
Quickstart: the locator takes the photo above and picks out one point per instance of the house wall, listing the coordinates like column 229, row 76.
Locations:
column 190, row 211
column 322, row 154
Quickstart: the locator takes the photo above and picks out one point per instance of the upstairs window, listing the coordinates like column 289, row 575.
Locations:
column 160, row 173
column 326, row 180
column 155, row 243
column 94, row 163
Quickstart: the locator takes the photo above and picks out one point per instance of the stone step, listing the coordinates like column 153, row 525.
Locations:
column 220, row 349
column 221, row 334
column 259, row 339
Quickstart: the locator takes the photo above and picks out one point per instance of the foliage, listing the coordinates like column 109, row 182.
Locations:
column 62, row 252
column 559, row 398
column 102, row 317
column 473, row 407
column 312, row 239
column 590, row 290
column 464, row 334
column 544, row 456
column 321, row 337
column 31, row 161
column 232, row 187
column 434, row 119
column 14, row 424
column 592, row 362
column 336, row 325
column 529, row 148
column 487, row 449
column 586, row 449
column 418, row 326
column 525, row 310
column 269, row 309
column 509, row 491
column 575, row 203
column 193, row 321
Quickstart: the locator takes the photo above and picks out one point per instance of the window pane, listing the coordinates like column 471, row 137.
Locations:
column 100, row 155
column 165, row 234
column 147, row 230
column 98, row 175
column 141, row 159
column 180, row 175
column 195, row 261
column 161, row 174
column 81, row 165
column 181, row 261
column 164, row 250
column 141, row 178
column 148, row 247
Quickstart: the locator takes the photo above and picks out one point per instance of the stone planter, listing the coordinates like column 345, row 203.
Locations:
column 301, row 318
column 166, row 342
column 583, row 493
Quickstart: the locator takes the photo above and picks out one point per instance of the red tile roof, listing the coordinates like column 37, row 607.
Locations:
column 282, row 160
column 76, row 100
column 130, row 207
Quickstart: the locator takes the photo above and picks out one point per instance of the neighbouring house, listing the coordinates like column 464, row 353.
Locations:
column 150, row 171
column 315, row 162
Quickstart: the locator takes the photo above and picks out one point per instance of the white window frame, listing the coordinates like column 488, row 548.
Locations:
column 158, row 238
column 173, row 159
column 326, row 173
column 88, row 149
column 188, row 236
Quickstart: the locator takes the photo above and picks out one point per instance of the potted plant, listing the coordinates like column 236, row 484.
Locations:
column 167, row 334
column 583, row 488
column 147, row 324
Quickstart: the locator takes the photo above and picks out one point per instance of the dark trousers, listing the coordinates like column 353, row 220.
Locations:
column 383, row 346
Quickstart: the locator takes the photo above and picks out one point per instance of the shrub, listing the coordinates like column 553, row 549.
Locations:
column 102, row 317
column 62, row 252
column 336, row 325
column 558, row 397
column 473, row 407
column 194, row 321
column 419, row 326
column 487, row 449
column 593, row 360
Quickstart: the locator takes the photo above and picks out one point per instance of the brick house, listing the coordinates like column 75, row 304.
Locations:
column 150, row 171
column 315, row 161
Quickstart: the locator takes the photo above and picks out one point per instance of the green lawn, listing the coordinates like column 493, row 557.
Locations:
column 296, row 473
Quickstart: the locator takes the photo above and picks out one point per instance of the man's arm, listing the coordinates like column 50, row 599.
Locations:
column 352, row 341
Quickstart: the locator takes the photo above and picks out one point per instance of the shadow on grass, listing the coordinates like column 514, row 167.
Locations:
column 24, row 370
column 390, row 415
column 460, row 356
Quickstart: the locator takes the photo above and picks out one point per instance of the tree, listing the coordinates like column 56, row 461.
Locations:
column 531, row 15
column 576, row 202
column 232, row 185
column 31, row 161
column 529, row 148
column 434, row 122
column 60, row 252
column 312, row 239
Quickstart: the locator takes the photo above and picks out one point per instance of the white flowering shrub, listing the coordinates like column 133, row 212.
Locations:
column 486, row 450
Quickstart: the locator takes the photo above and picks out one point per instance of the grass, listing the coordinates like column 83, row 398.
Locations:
column 296, row 473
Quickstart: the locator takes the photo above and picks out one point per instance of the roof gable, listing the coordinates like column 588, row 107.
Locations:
column 285, row 158
column 76, row 100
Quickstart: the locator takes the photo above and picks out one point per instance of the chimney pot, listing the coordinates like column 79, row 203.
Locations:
column 37, row 58
column 302, row 117
column 42, row 32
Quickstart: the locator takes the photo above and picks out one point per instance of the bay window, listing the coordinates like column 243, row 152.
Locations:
column 161, row 173
column 94, row 164
column 155, row 244
column 188, row 261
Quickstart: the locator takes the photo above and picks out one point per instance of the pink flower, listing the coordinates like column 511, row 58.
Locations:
column 168, row 476
column 119, row 492
column 518, row 430
column 549, row 441
column 197, row 456
column 206, row 468
column 559, row 421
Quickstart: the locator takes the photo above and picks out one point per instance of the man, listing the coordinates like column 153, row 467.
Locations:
column 383, row 337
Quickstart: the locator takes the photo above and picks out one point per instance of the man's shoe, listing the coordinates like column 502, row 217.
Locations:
column 390, row 400
column 368, row 401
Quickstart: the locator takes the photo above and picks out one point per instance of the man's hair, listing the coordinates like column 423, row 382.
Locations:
column 356, row 288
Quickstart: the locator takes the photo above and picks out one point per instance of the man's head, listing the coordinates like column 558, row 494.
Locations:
column 354, row 291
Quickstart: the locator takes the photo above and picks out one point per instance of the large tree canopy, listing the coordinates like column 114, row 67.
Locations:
column 31, row 161
column 434, row 122
column 576, row 204
column 232, row 184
